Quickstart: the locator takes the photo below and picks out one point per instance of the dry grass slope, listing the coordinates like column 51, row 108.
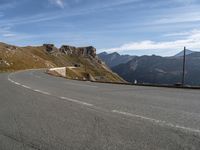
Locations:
column 13, row 58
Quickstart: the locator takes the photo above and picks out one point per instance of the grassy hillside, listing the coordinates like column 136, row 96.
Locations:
column 13, row 58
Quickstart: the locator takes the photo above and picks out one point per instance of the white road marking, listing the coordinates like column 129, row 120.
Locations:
column 17, row 83
column 10, row 79
column 76, row 101
column 43, row 92
column 26, row 86
column 159, row 122
column 46, row 93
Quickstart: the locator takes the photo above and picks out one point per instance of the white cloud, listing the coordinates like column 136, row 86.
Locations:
column 8, row 35
column 192, row 41
column 59, row 3
column 54, row 15
column 5, row 32
column 178, row 34
column 185, row 17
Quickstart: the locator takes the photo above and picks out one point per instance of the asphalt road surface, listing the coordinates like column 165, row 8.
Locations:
column 42, row 112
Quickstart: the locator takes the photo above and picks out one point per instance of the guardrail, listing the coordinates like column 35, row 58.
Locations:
column 61, row 71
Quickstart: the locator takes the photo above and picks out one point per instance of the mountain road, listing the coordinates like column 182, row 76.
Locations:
column 43, row 112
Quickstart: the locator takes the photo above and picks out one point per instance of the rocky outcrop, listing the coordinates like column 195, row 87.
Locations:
column 50, row 48
column 89, row 51
column 69, row 50
column 79, row 51
column 4, row 63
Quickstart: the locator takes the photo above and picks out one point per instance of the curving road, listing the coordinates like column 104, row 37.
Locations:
column 42, row 112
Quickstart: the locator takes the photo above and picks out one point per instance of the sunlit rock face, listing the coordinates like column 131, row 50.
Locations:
column 79, row 51
column 89, row 51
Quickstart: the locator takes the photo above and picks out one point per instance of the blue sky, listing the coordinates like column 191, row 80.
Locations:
column 137, row 27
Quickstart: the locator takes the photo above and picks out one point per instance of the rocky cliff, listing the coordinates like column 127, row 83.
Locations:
column 89, row 51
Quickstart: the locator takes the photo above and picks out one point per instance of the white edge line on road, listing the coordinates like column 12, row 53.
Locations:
column 46, row 93
column 17, row 83
column 26, row 86
column 76, row 101
column 159, row 122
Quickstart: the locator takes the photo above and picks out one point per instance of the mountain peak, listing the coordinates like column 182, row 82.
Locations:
column 115, row 53
column 103, row 53
column 180, row 54
column 114, row 59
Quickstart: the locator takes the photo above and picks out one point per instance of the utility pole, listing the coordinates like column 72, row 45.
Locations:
column 184, row 62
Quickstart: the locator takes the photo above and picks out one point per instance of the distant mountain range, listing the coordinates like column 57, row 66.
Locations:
column 114, row 59
column 158, row 70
